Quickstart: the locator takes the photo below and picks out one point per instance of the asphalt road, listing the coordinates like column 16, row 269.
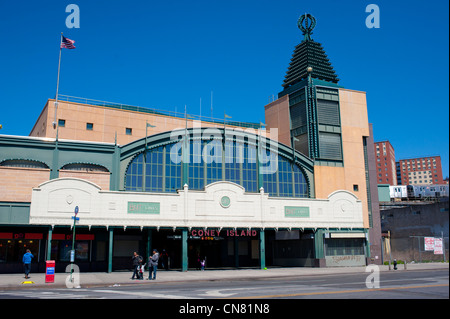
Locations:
column 424, row 284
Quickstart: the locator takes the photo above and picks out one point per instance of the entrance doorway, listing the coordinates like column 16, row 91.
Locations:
column 214, row 253
column 227, row 249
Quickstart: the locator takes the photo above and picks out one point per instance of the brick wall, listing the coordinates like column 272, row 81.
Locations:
column 17, row 182
column 418, row 220
column 99, row 178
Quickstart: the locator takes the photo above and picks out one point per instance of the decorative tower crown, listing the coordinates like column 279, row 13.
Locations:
column 309, row 54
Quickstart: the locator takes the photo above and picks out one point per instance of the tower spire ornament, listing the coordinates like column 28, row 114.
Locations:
column 309, row 60
column 306, row 23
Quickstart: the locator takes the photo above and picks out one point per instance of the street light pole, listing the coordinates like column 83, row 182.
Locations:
column 72, row 252
column 225, row 117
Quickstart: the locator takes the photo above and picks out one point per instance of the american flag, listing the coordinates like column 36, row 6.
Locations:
column 67, row 43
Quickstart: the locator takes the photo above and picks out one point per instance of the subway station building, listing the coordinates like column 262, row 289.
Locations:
column 299, row 192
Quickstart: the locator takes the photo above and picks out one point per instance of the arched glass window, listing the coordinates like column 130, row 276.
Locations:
column 287, row 181
column 154, row 170
column 270, row 180
column 211, row 161
column 233, row 158
column 172, row 172
column 284, row 178
column 300, row 184
column 196, row 166
column 135, row 174
column 249, row 169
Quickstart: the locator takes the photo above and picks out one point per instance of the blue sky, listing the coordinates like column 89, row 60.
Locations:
column 165, row 54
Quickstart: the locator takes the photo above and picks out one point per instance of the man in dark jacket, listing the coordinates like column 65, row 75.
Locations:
column 153, row 264
column 137, row 262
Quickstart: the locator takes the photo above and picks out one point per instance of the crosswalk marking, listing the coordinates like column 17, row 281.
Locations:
column 46, row 295
column 143, row 294
column 87, row 293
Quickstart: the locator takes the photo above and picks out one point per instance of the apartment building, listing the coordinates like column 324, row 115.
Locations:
column 420, row 171
column 385, row 162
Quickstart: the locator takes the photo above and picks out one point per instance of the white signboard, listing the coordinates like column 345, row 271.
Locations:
column 438, row 246
column 429, row 243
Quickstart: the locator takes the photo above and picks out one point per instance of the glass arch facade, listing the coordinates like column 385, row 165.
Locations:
column 160, row 169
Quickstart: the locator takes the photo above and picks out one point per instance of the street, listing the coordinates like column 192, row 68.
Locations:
column 424, row 284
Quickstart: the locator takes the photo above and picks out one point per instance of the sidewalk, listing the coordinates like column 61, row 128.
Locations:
column 101, row 279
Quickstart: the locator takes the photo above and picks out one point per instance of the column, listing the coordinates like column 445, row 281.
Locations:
column 367, row 244
column 319, row 253
column 236, row 251
column 262, row 248
column 114, row 179
column 54, row 170
column 110, row 254
column 49, row 244
column 184, row 249
column 149, row 243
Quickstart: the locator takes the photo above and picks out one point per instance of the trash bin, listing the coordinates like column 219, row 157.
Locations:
column 50, row 271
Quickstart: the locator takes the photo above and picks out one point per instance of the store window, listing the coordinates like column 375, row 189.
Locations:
column 344, row 246
column 14, row 245
column 62, row 245
column 61, row 250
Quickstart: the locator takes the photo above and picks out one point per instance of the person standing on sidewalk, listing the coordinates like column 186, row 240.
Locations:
column 137, row 262
column 26, row 259
column 153, row 265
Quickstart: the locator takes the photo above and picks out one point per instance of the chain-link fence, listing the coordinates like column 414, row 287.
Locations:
column 416, row 249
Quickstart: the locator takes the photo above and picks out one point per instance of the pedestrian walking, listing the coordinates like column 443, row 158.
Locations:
column 164, row 257
column 26, row 259
column 153, row 265
column 137, row 263
column 199, row 259
column 202, row 264
column 141, row 271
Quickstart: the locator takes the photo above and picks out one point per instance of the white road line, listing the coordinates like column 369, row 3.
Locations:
column 45, row 295
column 431, row 279
column 143, row 294
column 219, row 293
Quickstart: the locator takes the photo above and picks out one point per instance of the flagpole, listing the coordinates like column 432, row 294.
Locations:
column 57, row 83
